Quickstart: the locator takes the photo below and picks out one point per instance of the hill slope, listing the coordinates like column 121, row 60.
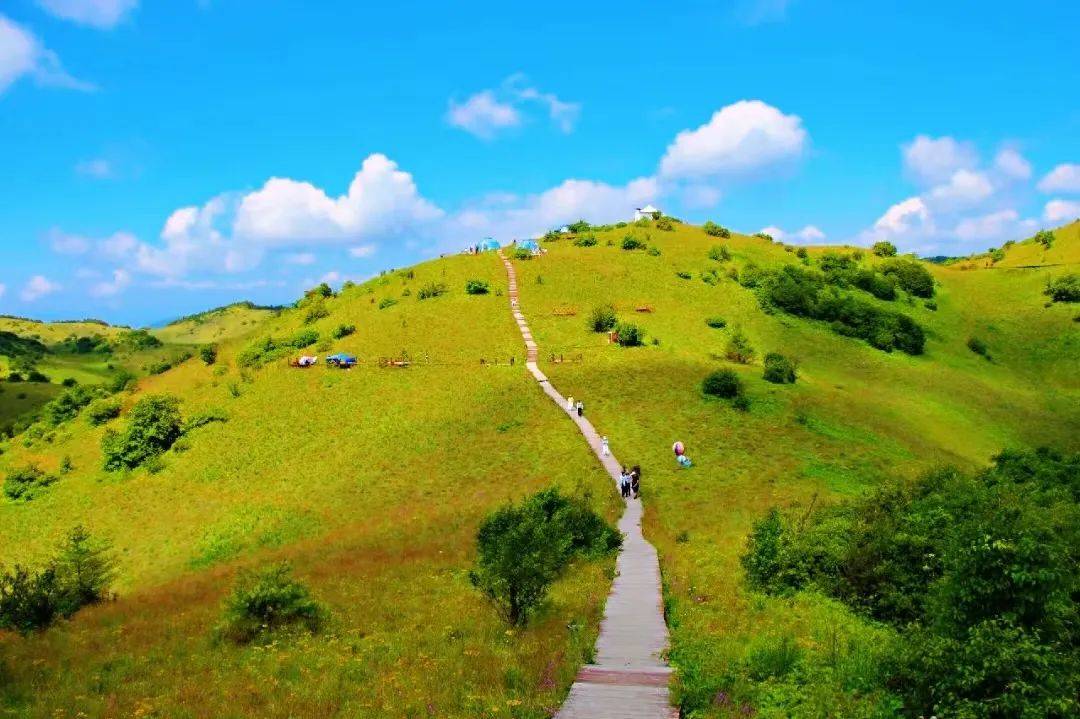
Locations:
column 373, row 481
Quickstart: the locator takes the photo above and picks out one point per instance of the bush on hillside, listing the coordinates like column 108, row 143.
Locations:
column 910, row 275
column 154, row 424
column 578, row 227
column 632, row 243
column 603, row 318
column 628, row 335
column 68, row 405
column 208, row 354
column 723, row 383
column 665, row 224
column 321, row 290
column 259, row 352
column 430, row 290
column 585, row 241
column 137, row 340
column 102, row 410
column 1045, row 238
column 477, row 287
column 779, row 369
column 26, row 482
column 387, row 302
column 303, row 338
column 1063, row 289
column 978, row 572
column 714, row 230
column 979, row 347
column 738, row 347
column 881, row 286
column 120, row 381
column 720, row 253
column 79, row 575
column 522, row 549
column 521, row 253
column 717, row 323
column 802, row 254
column 683, row 275
column 884, row 249
column 268, row 601
column 764, row 236
column 315, row 309
column 342, row 331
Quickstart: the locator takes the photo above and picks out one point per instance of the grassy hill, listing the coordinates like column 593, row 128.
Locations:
column 216, row 325
column 373, row 481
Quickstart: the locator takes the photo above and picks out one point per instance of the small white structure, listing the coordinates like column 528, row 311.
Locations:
column 647, row 212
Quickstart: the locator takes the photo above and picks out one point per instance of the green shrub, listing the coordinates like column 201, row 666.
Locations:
column 1045, row 238
column 120, row 381
column 717, row 323
column 578, row 227
column 387, row 302
column 628, row 335
column 1065, row 288
column 884, row 249
column 723, row 383
column 342, row 331
column 653, row 251
column 321, row 290
column 714, row 230
column 741, row 402
column 67, row 405
column 208, row 354
column 204, row 418
column 930, row 305
column 137, row 340
column 764, row 235
column 773, row 658
column 603, row 319
column 585, row 241
column 910, row 275
column 801, row 253
column 77, row 576
column 881, row 286
column 979, row 347
column 260, row 351
column 720, row 253
column 520, row 253
column 476, row 287
column 522, row 549
column 303, row 338
column 315, row 309
column 26, row 483
column 69, row 382
column 779, row 369
column 683, row 275
column 430, row 290
column 632, row 243
column 738, row 348
column 665, row 224
column 102, row 410
column 153, row 425
column 267, row 601
column 35, row 376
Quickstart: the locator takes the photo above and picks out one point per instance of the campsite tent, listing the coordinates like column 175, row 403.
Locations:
column 489, row 245
column 529, row 245
column 341, row 360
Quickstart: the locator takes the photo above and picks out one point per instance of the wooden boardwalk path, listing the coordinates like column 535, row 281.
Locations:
column 629, row 679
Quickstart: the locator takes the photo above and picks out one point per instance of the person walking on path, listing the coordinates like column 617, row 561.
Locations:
column 580, row 408
column 605, row 450
column 635, row 480
column 624, row 483
column 570, row 403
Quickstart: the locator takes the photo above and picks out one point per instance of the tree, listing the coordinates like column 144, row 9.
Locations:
column 1045, row 238
column 603, row 318
column 738, row 347
column 722, row 383
column 84, row 570
column 208, row 354
column 153, row 426
column 268, row 600
column 884, row 248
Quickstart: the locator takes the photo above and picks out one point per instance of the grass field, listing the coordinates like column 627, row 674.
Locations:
column 373, row 481
column 217, row 325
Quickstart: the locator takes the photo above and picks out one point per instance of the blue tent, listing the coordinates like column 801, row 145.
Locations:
column 341, row 359
column 529, row 245
column 489, row 244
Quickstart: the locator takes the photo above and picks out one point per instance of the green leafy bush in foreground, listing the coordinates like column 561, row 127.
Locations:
column 723, row 383
column 979, row 572
column 477, row 287
column 267, row 601
column 101, row 411
column 522, row 549
column 154, row 424
column 603, row 319
column 79, row 575
column 779, row 369
column 628, row 335
column 1063, row 289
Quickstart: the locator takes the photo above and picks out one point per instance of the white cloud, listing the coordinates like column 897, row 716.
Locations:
column 934, row 160
column 482, row 115
column 121, row 278
column 102, row 14
column 65, row 244
column 700, row 197
column 3, row 289
column 37, row 287
column 23, row 55
column 300, row 258
column 563, row 114
column 807, row 235
column 382, row 201
column 964, row 188
column 362, row 251
column 99, row 168
column 1061, row 211
column 995, row 226
column 1012, row 165
column 740, row 138
column 1063, row 178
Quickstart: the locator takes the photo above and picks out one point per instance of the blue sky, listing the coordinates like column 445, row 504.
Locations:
column 157, row 158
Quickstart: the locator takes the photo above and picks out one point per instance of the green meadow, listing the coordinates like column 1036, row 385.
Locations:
column 372, row 481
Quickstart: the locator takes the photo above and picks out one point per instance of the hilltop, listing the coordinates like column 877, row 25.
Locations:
column 374, row 480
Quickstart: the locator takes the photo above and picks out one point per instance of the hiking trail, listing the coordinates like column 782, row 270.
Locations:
column 629, row 678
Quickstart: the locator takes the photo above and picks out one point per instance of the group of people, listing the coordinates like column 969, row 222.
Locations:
column 572, row 406
column 630, row 482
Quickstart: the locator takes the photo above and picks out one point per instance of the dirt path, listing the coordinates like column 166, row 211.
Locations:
column 629, row 677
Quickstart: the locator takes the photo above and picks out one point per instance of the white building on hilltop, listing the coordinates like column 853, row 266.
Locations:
column 647, row 212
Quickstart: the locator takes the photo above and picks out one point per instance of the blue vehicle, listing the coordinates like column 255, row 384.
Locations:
column 341, row 360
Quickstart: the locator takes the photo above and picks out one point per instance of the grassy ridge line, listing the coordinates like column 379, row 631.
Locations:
column 373, row 481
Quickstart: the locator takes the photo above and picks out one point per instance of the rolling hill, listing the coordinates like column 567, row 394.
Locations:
column 373, row 481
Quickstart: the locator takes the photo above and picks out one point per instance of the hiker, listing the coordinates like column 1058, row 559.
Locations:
column 684, row 461
column 635, row 480
column 604, row 449
column 624, row 483
column 570, row 403
column 580, row 408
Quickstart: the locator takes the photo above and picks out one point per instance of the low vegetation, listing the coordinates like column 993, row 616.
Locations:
column 779, row 369
column 603, row 318
column 153, row 425
column 26, row 482
column 1065, row 288
column 477, row 287
column 267, row 601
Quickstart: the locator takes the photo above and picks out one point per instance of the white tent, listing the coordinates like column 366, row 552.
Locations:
column 647, row 212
